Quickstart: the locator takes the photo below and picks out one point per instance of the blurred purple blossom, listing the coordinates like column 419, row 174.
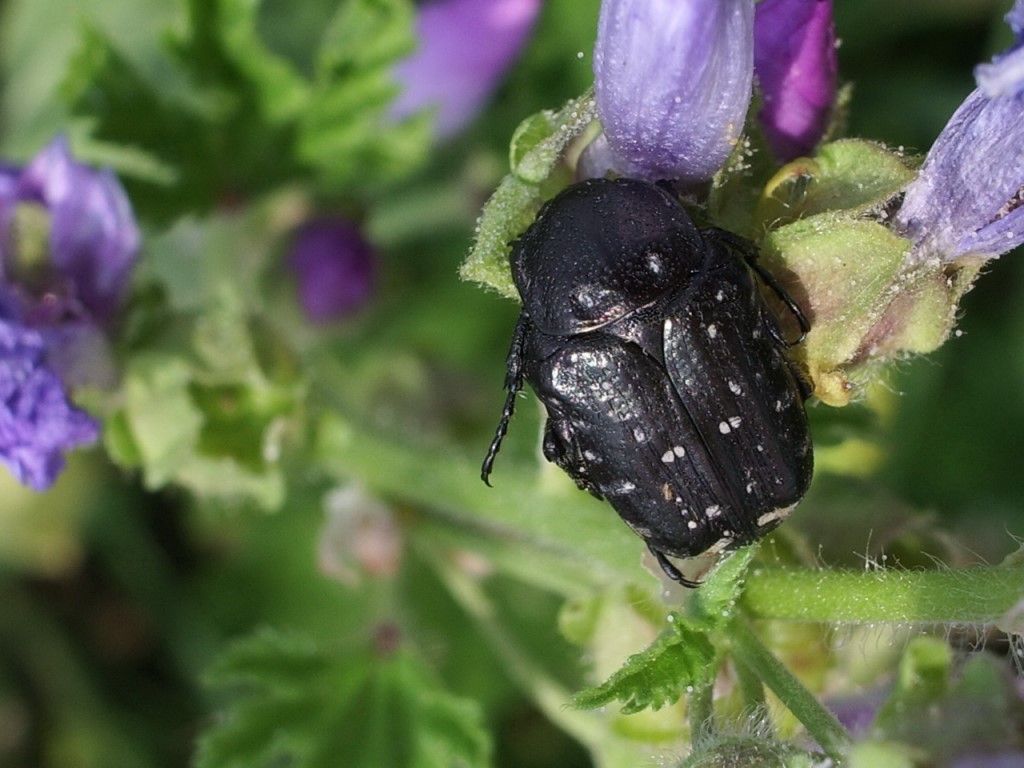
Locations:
column 37, row 423
column 68, row 242
column 796, row 66
column 465, row 47
column 334, row 268
column 93, row 239
column 1005, row 75
column 673, row 81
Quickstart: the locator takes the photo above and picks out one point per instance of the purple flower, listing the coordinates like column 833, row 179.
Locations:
column 37, row 423
column 969, row 196
column 465, row 47
column 673, row 81
column 795, row 63
column 334, row 268
column 68, row 241
column 92, row 235
column 1005, row 75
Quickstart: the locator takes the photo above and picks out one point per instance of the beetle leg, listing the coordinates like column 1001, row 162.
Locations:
column 513, row 383
column 670, row 570
column 748, row 251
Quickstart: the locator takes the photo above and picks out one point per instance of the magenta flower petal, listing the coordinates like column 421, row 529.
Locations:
column 465, row 47
column 334, row 268
column 37, row 423
column 1004, row 76
column 673, row 81
column 796, row 66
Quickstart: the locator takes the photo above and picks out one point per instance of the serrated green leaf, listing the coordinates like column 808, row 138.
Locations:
column 537, row 148
column 681, row 657
column 301, row 705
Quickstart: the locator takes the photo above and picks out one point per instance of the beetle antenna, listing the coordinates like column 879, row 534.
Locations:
column 513, row 383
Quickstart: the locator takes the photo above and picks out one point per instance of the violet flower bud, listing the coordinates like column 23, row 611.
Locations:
column 334, row 268
column 969, row 196
column 37, row 423
column 88, row 238
column 465, row 47
column 795, row 63
column 673, row 82
column 1005, row 75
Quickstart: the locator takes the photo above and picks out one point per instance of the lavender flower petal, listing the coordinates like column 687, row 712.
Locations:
column 795, row 63
column 967, row 198
column 1005, row 75
column 37, row 423
column 673, row 81
column 334, row 268
column 94, row 238
column 465, row 47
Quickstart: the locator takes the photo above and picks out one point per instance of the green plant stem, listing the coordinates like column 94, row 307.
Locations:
column 970, row 596
column 700, row 709
column 819, row 722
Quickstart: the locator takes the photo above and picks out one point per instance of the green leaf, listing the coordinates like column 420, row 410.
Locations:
column 923, row 680
column 291, row 702
column 538, row 146
column 681, row 658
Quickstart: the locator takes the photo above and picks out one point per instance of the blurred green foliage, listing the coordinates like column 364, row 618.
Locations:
column 202, row 558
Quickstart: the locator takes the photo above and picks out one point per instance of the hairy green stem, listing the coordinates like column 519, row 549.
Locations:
column 819, row 722
column 700, row 709
column 970, row 596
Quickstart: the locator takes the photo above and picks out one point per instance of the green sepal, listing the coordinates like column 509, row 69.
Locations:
column 844, row 272
column 852, row 175
column 536, row 152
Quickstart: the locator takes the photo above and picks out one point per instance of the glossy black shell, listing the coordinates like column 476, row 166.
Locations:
column 601, row 249
column 669, row 394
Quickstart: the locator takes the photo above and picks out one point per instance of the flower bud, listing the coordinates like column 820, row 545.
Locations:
column 465, row 47
column 795, row 63
column 673, row 83
column 334, row 268
column 92, row 239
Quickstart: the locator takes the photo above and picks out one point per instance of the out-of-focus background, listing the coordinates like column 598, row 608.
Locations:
column 118, row 594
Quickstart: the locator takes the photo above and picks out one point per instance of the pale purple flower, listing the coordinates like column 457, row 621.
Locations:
column 93, row 237
column 673, row 81
column 1005, row 75
column 796, row 67
column 969, row 195
column 465, row 48
column 37, row 423
column 334, row 268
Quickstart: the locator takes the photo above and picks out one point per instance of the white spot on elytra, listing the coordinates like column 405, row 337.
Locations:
column 654, row 262
column 724, row 428
column 760, row 448
column 750, row 487
column 639, row 435
column 668, row 457
column 668, row 326
column 720, row 296
column 691, row 525
column 735, row 421
column 679, row 451
column 589, row 455
column 735, row 388
column 713, row 511
column 778, row 406
column 712, row 331
column 628, row 487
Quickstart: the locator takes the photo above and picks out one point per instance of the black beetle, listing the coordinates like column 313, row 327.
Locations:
column 661, row 368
